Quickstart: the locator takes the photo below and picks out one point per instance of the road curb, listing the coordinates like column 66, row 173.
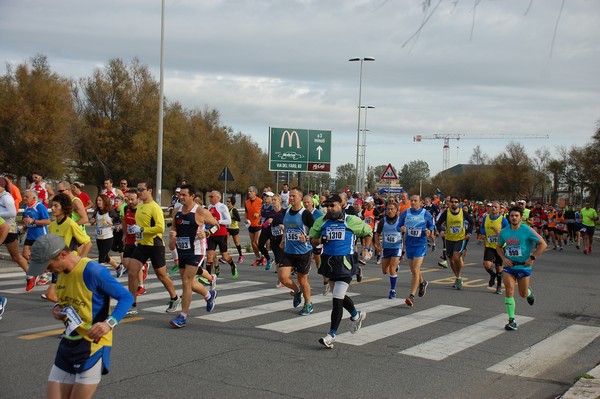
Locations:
column 585, row 388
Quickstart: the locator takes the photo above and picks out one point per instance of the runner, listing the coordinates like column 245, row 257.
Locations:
column 589, row 216
column 234, row 228
column 309, row 204
column 65, row 227
column 219, row 238
column 514, row 248
column 336, row 231
column 456, row 235
column 9, row 214
column 265, row 232
column 417, row 225
column 111, row 191
column 43, row 189
column 189, row 237
column 79, row 214
column 3, row 233
column 149, row 228
column 105, row 217
column 491, row 226
column 297, row 224
column 84, row 290
column 85, row 199
column 35, row 222
column 253, row 206
column 391, row 249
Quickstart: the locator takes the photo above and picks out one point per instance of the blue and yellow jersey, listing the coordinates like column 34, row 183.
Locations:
column 455, row 226
column 491, row 229
column 88, row 288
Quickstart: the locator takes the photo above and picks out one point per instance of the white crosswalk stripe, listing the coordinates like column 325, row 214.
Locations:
column 534, row 361
column 400, row 324
column 450, row 344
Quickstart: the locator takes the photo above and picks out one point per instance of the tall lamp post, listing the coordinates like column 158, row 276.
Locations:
column 159, row 153
column 363, row 152
column 361, row 59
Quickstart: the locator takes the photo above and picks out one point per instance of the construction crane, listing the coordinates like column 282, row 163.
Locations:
column 458, row 136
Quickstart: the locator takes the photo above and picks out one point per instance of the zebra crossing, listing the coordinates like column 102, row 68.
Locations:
column 241, row 300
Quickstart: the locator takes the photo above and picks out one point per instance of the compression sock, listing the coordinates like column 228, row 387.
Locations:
column 510, row 307
column 491, row 272
column 393, row 280
column 239, row 249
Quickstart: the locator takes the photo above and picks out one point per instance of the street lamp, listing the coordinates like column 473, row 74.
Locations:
column 362, row 164
column 358, row 180
column 159, row 152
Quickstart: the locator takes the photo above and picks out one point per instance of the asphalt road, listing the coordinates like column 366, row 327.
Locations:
column 451, row 344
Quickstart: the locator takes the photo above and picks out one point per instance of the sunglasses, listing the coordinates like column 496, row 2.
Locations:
column 455, row 202
column 330, row 205
column 140, row 189
column 61, row 191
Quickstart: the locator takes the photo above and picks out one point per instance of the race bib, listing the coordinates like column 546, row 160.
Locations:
column 455, row 229
column 276, row 231
column 336, row 234
column 368, row 220
column 414, row 232
column 392, row 238
column 513, row 251
column 292, row 236
column 560, row 226
column 492, row 239
column 537, row 220
column 183, row 243
column 139, row 236
column 72, row 320
column 130, row 229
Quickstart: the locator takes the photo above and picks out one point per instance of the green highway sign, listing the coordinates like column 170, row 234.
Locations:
column 299, row 150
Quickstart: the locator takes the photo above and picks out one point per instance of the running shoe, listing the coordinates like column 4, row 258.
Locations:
column 3, row 302
column 179, row 322
column 306, row 309
column 458, row 283
column 409, row 301
column 203, row 280
column 120, row 270
column 577, row 247
column 141, row 290
column 31, row 282
column 279, row 285
column 379, row 259
column 499, row 291
column 210, row 303
column 132, row 311
column 174, row 269
column 327, row 341
column 145, row 271
column 234, row 273
column 356, row 324
column 359, row 275
column 213, row 282
column 297, row 298
column 174, row 305
column 554, row 248
column 530, row 297
column 223, row 261
column 392, row 294
column 443, row 264
column 241, row 259
column 325, row 288
column 362, row 261
column 585, row 251
column 269, row 264
column 590, row 250
column 433, row 248
column 492, row 280
column 511, row 325
column 560, row 249
column 256, row 262
column 217, row 269
column 263, row 261
column 423, row 288
column 44, row 279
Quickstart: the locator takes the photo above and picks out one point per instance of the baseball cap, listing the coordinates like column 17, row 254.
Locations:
column 369, row 199
column 522, row 201
column 269, row 193
column 43, row 250
column 333, row 198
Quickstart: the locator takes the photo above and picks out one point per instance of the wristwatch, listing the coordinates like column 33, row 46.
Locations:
column 532, row 257
column 111, row 321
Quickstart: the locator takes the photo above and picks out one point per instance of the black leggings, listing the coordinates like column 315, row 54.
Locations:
column 265, row 236
column 104, row 247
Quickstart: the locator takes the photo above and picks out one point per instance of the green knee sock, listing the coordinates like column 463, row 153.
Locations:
column 528, row 291
column 510, row 307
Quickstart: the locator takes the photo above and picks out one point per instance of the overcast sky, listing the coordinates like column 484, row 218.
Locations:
column 477, row 67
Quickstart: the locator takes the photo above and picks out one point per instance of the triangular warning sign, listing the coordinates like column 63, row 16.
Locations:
column 389, row 173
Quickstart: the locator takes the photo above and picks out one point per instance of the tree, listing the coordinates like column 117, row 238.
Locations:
column 413, row 173
column 556, row 169
column 478, row 157
column 514, row 168
column 345, row 176
column 36, row 114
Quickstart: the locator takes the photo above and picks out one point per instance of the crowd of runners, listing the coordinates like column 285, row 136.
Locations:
column 337, row 232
